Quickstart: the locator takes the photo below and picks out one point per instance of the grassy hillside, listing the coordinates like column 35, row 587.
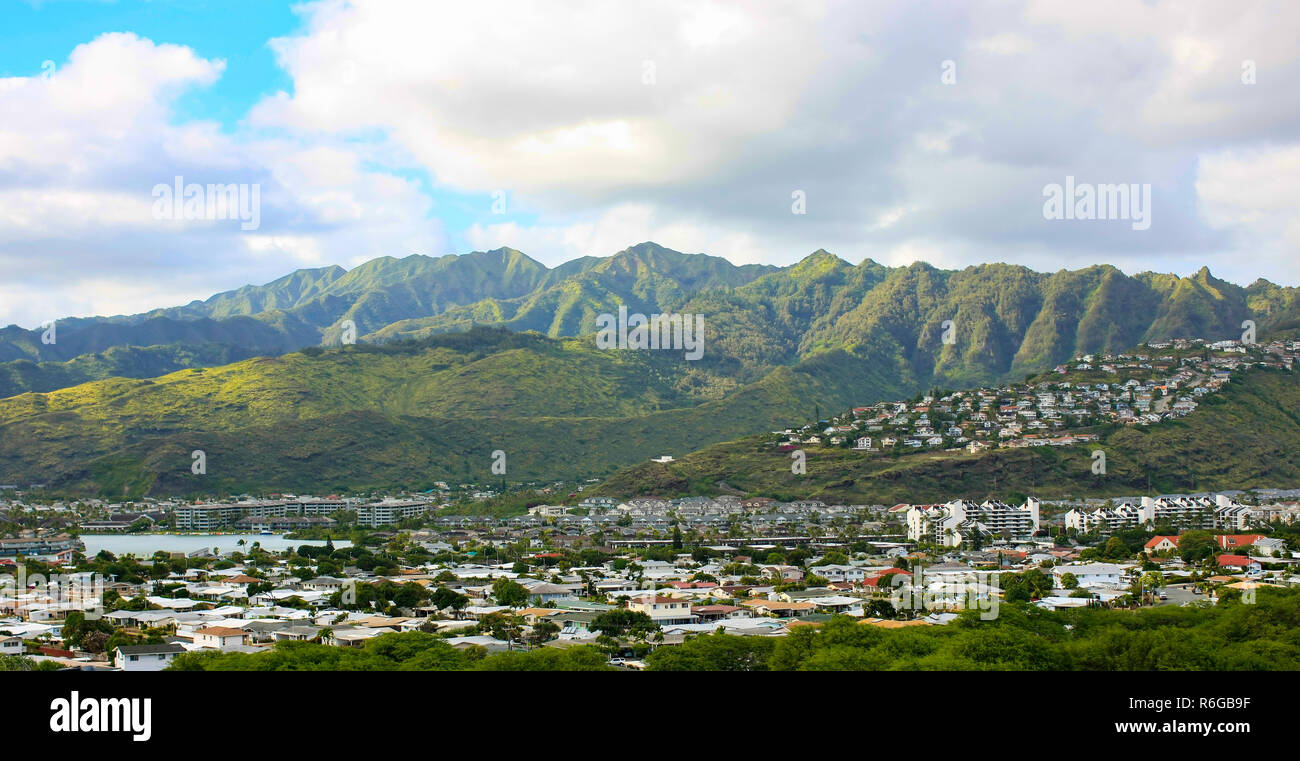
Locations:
column 396, row 415
column 24, row 375
column 1246, row 436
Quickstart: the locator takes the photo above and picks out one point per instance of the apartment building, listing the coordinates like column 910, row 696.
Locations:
column 62, row 544
column 961, row 520
column 214, row 516
column 389, row 512
column 1221, row 513
column 207, row 517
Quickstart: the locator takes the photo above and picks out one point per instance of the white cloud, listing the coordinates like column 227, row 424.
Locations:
column 622, row 226
column 535, row 101
column 845, row 102
column 80, row 154
column 1255, row 195
column 687, row 122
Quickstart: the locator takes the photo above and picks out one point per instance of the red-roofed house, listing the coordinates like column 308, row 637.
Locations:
column 1239, row 561
column 1233, row 541
column 1161, row 543
column 875, row 581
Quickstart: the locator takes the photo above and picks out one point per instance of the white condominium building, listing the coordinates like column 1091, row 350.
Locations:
column 389, row 512
column 208, row 517
column 1185, row 512
column 960, row 520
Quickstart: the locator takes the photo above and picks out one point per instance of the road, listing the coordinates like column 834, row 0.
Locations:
column 1179, row 594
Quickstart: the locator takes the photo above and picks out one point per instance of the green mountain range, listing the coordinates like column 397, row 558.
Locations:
column 458, row 356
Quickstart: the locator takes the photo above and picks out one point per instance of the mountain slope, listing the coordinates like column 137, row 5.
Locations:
column 387, row 297
column 1244, row 437
column 431, row 386
column 406, row 413
column 1001, row 321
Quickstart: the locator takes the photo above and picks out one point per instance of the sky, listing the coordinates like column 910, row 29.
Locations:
column 759, row 131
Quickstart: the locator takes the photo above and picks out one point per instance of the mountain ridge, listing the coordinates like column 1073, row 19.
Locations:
column 520, row 364
column 1016, row 319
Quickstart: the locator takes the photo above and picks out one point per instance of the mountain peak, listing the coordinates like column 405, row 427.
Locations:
column 821, row 258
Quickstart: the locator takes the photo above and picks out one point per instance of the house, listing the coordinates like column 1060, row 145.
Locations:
column 1091, row 574
column 145, row 657
column 11, row 645
column 1239, row 562
column 779, row 608
column 218, row 637
column 491, row 644
column 784, row 572
column 296, row 633
column 354, row 637
column 848, row 573
column 707, row 613
column 546, row 592
column 663, row 610
column 242, row 580
column 886, row 578
column 836, row 603
column 1237, row 541
column 1268, row 546
column 327, row 584
column 1161, row 544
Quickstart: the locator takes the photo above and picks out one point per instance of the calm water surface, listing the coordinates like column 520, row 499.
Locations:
column 144, row 545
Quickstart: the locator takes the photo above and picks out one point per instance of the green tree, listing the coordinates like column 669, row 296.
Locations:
column 714, row 652
column 509, row 593
column 542, row 632
column 1196, row 546
column 623, row 623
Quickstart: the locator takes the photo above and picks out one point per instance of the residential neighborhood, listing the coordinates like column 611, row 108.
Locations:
column 1138, row 389
column 683, row 568
column 156, row 583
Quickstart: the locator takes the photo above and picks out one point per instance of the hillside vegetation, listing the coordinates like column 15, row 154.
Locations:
column 1246, row 436
column 1006, row 321
column 463, row 355
column 404, row 414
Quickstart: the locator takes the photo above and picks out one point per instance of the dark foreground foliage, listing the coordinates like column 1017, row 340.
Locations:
column 1231, row 636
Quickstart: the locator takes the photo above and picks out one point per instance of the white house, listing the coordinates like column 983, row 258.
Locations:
column 1092, row 574
column 11, row 645
column 218, row 637
column 145, row 657
column 850, row 573
column 663, row 610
